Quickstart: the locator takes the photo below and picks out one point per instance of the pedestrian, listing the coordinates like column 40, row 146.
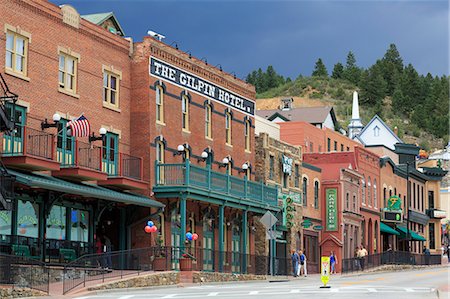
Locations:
column 362, row 256
column 295, row 260
column 357, row 257
column 107, row 252
column 98, row 249
column 302, row 264
column 426, row 252
column 333, row 262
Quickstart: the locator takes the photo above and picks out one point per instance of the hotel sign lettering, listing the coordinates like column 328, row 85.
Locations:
column 183, row 79
column 331, row 210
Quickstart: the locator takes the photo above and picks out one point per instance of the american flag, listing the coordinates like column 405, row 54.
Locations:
column 80, row 127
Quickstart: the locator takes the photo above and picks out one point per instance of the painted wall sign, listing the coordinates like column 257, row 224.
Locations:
column 331, row 210
column 172, row 74
column 287, row 164
column 394, row 203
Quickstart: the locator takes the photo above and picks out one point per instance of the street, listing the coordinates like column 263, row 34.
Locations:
column 422, row 283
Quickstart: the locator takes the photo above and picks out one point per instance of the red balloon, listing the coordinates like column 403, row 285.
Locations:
column 148, row 229
column 153, row 229
column 194, row 237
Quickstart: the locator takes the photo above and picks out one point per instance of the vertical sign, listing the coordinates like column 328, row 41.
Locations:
column 325, row 270
column 331, row 209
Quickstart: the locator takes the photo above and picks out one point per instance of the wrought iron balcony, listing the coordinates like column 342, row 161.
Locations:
column 124, row 171
column 222, row 185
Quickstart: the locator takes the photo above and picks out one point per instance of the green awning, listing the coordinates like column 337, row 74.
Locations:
column 414, row 236
column 384, row 228
column 43, row 181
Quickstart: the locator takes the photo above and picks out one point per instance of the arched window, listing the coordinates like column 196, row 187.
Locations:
column 354, row 202
column 247, row 135
column 369, row 196
column 347, row 201
column 185, row 112
column 363, row 191
column 208, row 121
column 305, row 191
column 159, row 104
column 316, row 194
column 375, row 193
column 160, row 151
column 228, row 128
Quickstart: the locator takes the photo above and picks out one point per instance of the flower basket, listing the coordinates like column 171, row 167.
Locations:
column 185, row 264
column 159, row 264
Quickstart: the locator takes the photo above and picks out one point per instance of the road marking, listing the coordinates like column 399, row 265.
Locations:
column 409, row 290
column 126, row 297
column 295, row 291
column 170, row 296
column 212, row 294
column 253, row 293
column 372, row 290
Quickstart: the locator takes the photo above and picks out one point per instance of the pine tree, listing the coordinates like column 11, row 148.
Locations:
column 320, row 69
column 338, row 71
column 351, row 72
column 373, row 87
column 410, row 86
column 392, row 68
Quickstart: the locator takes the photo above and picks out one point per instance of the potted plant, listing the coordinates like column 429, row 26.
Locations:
column 186, row 262
column 159, row 257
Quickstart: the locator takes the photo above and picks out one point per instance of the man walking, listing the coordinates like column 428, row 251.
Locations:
column 302, row 264
column 363, row 254
column 295, row 260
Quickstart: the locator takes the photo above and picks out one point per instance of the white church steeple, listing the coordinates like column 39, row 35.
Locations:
column 355, row 125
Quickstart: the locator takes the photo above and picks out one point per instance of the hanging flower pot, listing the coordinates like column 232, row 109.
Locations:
column 185, row 264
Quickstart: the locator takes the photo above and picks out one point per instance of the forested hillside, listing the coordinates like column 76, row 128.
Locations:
column 417, row 104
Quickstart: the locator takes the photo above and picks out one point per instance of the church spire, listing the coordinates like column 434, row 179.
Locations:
column 355, row 125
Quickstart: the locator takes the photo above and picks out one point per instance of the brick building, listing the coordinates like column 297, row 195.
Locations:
column 196, row 128
column 68, row 189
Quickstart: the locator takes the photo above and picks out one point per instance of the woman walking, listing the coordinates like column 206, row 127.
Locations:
column 333, row 262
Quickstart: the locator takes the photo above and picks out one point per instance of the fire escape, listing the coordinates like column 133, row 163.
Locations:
column 6, row 127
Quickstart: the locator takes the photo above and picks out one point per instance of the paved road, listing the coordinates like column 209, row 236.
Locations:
column 407, row 284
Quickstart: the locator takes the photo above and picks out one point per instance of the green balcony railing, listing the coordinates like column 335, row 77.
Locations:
column 189, row 175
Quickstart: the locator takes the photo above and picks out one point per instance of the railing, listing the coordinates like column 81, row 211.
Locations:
column 25, row 140
column 86, row 155
column 22, row 272
column 100, row 267
column 389, row 258
column 130, row 166
column 205, row 178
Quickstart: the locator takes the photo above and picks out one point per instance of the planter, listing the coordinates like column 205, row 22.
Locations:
column 159, row 264
column 185, row 264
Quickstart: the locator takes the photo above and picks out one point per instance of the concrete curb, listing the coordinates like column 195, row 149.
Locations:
column 394, row 270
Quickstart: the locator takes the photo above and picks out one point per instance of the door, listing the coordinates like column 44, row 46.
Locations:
column 110, row 154
column 236, row 250
column 208, row 251
column 176, row 253
column 13, row 141
column 65, row 145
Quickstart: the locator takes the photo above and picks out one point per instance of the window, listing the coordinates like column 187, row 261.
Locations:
column 320, row 149
column 5, row 222
column 354, row 203
column 111, row 89
column 363, row 191
column 285, row 180
column 347, row 201
column 328, row 144
column 208, row 121
column 110, row 152
column 297, row 176
column 384, row 196
column 67, row 76
column 374, row 193
column 185, row 111
column 316, row 194
column 311, row 149
column 305, row 191
column 342, row 147
column 348, row 149
column 16, row 52
column 431, row 199
column 431, row 236
column 422, row 200
column 271, row 167
column 228, row 128
column 160, row 152
column 79, row 225
column 159, row 104
column 65, row 145
column 27, row 219
column 247, row 135
column 335, row 146
column 369, row 196
column 56, row 223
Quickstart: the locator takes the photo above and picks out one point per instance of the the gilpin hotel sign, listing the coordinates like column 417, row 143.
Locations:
column 162, row 70
column 331, row 200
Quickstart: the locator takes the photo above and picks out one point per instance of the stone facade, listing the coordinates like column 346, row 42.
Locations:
column 149, row 280
column 200, row 277
column 7, row 293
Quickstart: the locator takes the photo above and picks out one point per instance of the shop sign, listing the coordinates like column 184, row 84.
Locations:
column 392, row 216
column 185, row 80
column 394, row 203
column 317, row 227
column 287, row 164
column 331, row 209
column 307, row 223
column 439, row 214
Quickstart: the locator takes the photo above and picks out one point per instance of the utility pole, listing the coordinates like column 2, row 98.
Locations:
column 408, row 202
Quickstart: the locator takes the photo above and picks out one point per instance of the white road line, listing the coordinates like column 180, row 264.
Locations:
column 295, row 291
column 126, row 297
column 169, row 296
column 81, row 297
column 409, row 290
column 212, row 294
column 372, row 290
column 253, row 293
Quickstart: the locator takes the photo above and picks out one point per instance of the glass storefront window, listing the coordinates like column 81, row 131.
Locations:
column 56, row 223
column 27, row 219
column 5, row 224
column 79, row 225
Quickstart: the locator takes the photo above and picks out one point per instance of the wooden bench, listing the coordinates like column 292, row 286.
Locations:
column 67, row 255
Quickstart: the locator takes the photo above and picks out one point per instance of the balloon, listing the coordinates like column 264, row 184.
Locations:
column 189, row 236
column 148, row 229
column 150, row 223
column 194, row 237
column 153, row 229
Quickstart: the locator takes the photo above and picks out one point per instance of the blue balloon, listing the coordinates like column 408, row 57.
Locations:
column 189, row 236
column 150, row 223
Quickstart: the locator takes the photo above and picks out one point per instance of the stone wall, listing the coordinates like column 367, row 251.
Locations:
column 7, row 293
column 200, row 277
column 149, row 280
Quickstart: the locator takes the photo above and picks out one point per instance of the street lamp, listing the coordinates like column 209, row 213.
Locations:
column 180, row 150
column 56, row 118
column 102, row 133
column 225, row 162
column 408, row 199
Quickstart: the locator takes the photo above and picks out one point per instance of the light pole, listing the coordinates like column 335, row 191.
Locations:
column 408, row 199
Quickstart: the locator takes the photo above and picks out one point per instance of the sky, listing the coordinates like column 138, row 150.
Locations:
column 245, row 35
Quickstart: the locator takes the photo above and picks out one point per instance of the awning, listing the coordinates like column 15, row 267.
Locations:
column 384, row 228
column 414, row 236
column 83, row 189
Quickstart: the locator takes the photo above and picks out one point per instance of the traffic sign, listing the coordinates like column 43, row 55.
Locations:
column 325, row 270
column 268, row 220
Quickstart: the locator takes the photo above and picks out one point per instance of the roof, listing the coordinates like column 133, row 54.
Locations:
column 100, row 18
column 312, row 115
column 376, row 117
column 83, row 189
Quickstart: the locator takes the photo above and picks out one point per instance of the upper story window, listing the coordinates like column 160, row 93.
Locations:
column 296, row 176
column 431, row 199
column 354, row 203
column 159, row 104
column 347, row 201
column 335, row 146
column 185, row 112
column 160, row 152
column 111, row 83
column 110, row 152
column 363, row 191
column 369, row 196
column 375, row 193
column 271, row 167
column 247, row 135
column 305, row 191
column 67, row 75
column 342, row 147
column 316, row 194
column 228, row 128
column 208, row 121
column 328, row 144
column 16, row 59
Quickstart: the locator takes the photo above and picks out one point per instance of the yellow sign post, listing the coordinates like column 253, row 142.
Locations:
column 325, row 271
